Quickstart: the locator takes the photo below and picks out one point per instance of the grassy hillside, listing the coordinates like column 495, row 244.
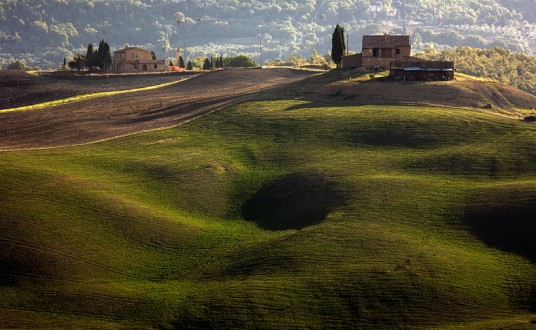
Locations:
column 281, row 214
column 360, row 87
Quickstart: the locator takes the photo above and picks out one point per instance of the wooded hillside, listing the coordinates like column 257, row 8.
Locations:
column 500, row 64
column 43, row 32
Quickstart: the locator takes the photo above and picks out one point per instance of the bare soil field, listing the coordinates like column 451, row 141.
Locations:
column 18, row 88
column 112, row 116
column 198, row 94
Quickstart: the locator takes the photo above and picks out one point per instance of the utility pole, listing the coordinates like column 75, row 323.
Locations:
column 180, row 18
column 260, row 47
column 347, row 43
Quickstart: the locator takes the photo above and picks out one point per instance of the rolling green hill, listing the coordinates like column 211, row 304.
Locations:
column 277, row 214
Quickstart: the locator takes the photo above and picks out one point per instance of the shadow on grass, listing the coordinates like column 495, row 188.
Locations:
column 505, row 218
column 294, row 201
column 317, row 105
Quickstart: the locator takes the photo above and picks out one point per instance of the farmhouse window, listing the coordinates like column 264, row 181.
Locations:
column 374, row 52
column 156, row 66
column 398, row 51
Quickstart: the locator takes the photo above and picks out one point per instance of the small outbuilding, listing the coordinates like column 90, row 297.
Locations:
column 422, row 70
column 352, row 61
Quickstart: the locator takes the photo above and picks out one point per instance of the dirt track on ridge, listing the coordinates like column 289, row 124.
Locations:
column 112, row 116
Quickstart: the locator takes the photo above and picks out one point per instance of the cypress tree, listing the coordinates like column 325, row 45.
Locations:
column 338, row 45
column 207, row 65
column 103, row 56
column 90, row 57
column 107, row 59
column 189, row 66
column 181, row 62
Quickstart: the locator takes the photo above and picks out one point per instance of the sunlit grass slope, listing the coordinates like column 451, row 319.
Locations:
column 277, row 214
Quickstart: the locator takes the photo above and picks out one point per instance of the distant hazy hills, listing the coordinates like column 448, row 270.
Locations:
column 43, row 32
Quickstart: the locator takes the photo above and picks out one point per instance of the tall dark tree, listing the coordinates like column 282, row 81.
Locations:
column 64, row 62
column 107, row 60
column 153, row 55
column 189, row 66
column 90, row 57
column 103, row 57
column 338, row 46
column 181, row 62
column 207, row 65
column 221, row 61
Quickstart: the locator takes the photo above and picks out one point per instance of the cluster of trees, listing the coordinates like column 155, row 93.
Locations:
column 497, row 63
column 213, row 63
column 220, row 62
column 43, row 32
column 298, row 61
column 460, row 37
column 18, row 65
column 100, row 58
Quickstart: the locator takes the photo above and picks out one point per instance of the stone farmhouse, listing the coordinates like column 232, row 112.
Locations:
column 394, row 52
column 379, row 50
column 134, row 59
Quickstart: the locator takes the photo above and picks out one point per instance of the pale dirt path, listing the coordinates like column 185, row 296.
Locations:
column 113, row 116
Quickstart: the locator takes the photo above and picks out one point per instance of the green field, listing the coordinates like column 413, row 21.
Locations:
column 277, row 214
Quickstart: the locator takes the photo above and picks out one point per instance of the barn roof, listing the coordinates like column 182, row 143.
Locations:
column 386, row 41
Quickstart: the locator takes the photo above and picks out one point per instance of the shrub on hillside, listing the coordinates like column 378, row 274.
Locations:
column 242, row 61
column 17, row 65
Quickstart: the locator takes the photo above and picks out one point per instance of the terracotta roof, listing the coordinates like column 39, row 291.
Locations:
column 123, row 50
column 385, row 41
column 133, row 62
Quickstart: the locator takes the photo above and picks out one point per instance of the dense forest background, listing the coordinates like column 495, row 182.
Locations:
column 515, row 69
column 43, row 32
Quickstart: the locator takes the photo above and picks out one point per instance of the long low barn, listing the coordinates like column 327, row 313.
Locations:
column 422, row 70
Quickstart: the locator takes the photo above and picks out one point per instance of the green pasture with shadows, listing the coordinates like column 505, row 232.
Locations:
column 275, row 214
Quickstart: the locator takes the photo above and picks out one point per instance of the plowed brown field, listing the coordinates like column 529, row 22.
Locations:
column 112, row 116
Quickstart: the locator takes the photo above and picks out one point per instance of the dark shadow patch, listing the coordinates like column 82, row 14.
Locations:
column 465, row 163
column 264, row 263
column 294, row 201
column 505, row 218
